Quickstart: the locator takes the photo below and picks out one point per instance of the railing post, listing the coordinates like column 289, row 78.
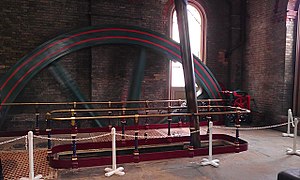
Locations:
column 136, row 141
column 169, row 121
column 179, row 102
column 237, row 132
column 123, row 122
column 37, row 114
column 109, row 113
column 147, row 112
column 208, row 118
column 73, row 136
column 48, row 130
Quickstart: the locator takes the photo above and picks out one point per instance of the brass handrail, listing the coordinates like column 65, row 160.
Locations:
column 244, row 111
column 133, row 109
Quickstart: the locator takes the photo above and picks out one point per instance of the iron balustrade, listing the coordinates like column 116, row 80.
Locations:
column 204, row 106
column 146, row 116
column 119, row 111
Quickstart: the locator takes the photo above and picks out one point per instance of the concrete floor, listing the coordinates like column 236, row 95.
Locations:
column 265, row 158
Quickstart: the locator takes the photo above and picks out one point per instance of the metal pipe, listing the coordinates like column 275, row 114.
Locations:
column 138, row 109
column 188, row 67
column 186, row 54
column 145, row 116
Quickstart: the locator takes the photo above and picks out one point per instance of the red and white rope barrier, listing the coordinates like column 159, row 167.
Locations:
column 13, row 140
column 68, row 139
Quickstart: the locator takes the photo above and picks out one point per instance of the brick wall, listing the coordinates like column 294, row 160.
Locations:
column 264, row 63
column 112, row 65
column 27, row 24
column 218, row 29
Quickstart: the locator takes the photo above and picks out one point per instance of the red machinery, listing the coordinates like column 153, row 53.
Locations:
column 237, row 99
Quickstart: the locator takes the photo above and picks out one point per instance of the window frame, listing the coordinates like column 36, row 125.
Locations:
column 203, row 17
column 202, row 39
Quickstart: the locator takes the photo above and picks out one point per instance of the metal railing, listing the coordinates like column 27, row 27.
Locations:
column 39, row 109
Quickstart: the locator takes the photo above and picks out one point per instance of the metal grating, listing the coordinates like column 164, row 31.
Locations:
column 15, row 164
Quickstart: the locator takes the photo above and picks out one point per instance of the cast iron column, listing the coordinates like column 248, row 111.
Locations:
column 188, row 68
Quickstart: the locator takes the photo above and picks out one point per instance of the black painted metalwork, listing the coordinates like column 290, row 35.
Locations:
column 37, row 114
column 48, row 130
column 188, row 68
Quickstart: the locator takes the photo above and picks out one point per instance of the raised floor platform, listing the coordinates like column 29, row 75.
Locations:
column 264, row 159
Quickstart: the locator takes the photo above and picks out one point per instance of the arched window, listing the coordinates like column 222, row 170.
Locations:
column 197, row 26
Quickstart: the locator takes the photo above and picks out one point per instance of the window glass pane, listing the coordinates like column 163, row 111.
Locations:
column 194, row 30
column 177, row 75
column 195, row 33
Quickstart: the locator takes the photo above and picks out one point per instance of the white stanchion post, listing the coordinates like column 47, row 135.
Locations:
column 210, row 160
column 114, row 169
column 31, row 162
column 290, row 119
column 31, row 165
column 294, row 151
